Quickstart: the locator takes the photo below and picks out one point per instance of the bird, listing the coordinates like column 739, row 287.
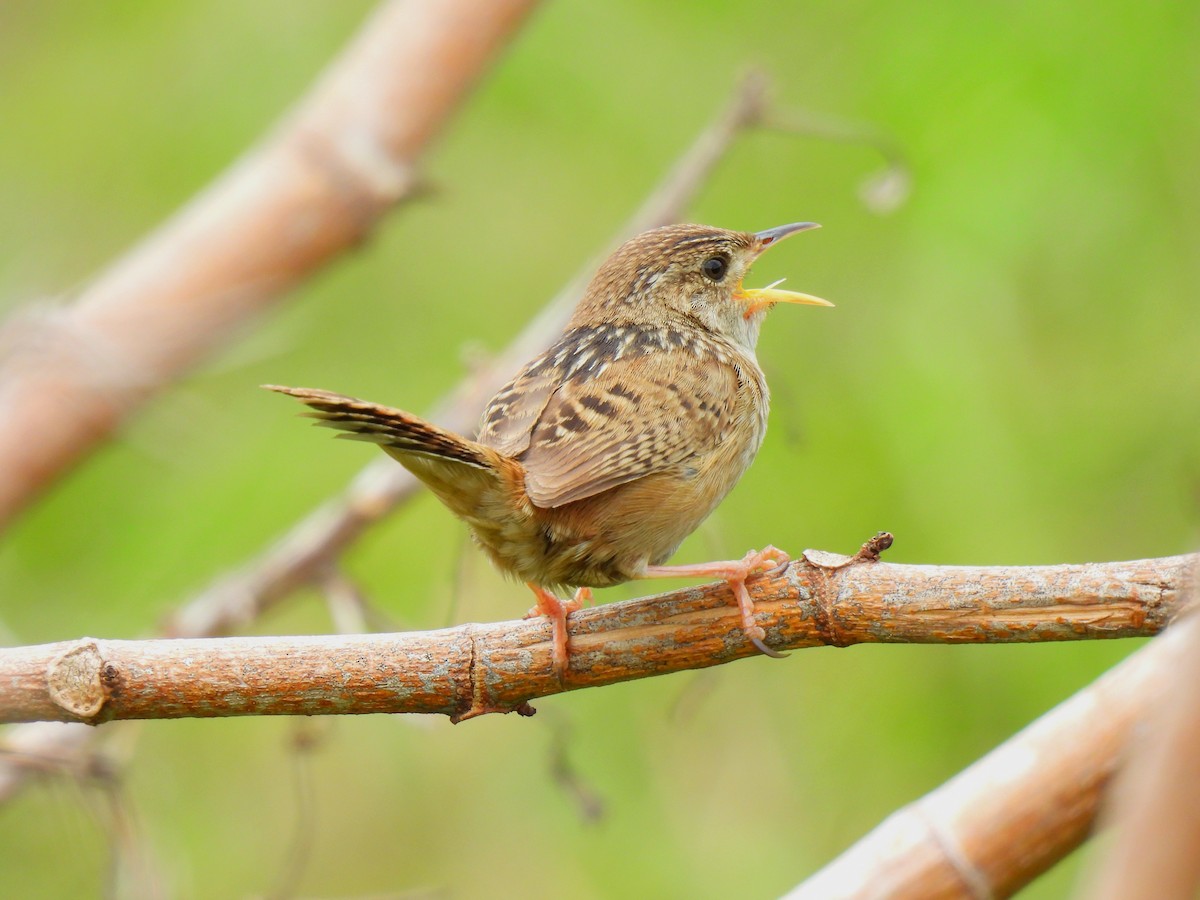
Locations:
column 605, row 451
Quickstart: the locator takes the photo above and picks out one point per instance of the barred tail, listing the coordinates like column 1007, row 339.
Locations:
column 393, row 429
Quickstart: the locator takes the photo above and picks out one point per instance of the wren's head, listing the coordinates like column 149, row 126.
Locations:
column 691, row 274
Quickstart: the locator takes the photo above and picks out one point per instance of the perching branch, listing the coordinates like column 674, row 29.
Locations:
column 1014, row 813
column 823, row 599
column 315, row 187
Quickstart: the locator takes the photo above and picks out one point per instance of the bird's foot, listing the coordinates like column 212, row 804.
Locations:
column 735, row 573
column 556, row 611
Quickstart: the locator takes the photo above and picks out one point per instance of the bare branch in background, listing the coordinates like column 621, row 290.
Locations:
column 315, row 187
column 821, row 600
column 1156, row 800
column 306, row 738
column 1013, row 814
column 884, row 191
column 587, row 800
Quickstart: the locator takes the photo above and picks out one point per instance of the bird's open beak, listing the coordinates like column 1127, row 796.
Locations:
column 758, row 298
column 762, row 298
column 773, row 236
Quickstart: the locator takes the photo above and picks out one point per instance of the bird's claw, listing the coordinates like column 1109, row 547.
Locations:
column 753, row 631
column 763, row 648
column 768, row 561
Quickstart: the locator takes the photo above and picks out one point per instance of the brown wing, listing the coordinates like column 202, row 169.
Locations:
column 511, row 415
column 630, row 418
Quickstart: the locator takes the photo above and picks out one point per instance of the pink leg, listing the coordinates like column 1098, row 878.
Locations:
column 735, row 573
column 557, row 611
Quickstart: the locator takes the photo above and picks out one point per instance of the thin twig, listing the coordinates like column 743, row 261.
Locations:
column 587, row 800
column 884, row 191
column 304, row 741
column 316, row 186
column 823, row 599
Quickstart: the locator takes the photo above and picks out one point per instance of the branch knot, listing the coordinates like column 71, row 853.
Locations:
column 81, row 680
column 825, row 566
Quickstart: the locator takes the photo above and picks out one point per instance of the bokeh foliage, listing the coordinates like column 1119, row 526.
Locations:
column 1011, row 376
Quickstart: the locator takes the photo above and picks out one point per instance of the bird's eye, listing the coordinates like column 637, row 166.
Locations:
column 715, row 267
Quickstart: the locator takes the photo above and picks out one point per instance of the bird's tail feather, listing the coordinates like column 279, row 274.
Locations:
column 393, row 429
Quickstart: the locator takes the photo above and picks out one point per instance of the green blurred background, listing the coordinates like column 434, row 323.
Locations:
column 1011, row 376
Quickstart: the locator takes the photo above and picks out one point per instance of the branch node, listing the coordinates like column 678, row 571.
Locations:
column 480, row 703
column 81, row 681
column 752, row 97
column 825, row 566
column 973, row 880
column 359, row 173
column 825, row 604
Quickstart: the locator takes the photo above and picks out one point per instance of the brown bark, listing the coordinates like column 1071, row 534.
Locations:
column 1014, row 813
column 1155, row 804
column 823, row 599
column 315, row 187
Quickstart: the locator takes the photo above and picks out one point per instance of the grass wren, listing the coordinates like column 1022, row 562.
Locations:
column 603, row 453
